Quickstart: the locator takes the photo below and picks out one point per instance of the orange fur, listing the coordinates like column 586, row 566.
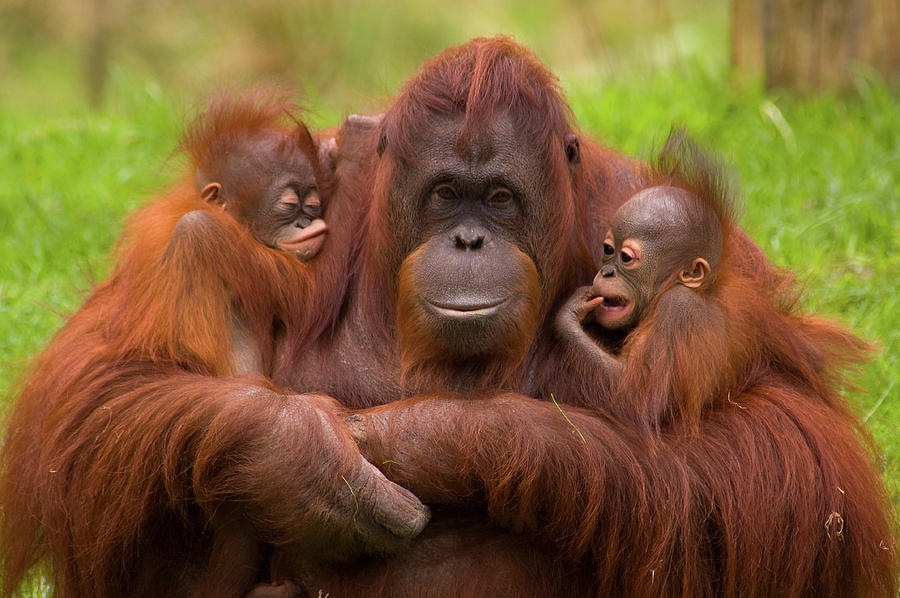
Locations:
column 109, row 417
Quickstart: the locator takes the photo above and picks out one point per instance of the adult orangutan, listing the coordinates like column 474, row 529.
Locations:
column 135, row 463
column 480, row 225
column 481, row 215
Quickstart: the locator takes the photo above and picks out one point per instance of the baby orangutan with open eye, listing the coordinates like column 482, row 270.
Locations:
column 662, row 241
column 656, row 288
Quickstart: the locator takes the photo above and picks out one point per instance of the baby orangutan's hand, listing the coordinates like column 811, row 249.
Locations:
column 579, row 308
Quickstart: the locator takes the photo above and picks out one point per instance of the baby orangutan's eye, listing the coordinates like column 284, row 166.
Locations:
column 312, row 205
column 631, row 253
column 608, row 249
column 629, row 257
column 288, row 201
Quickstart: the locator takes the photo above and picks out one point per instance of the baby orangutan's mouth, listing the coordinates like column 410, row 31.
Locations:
column 612, row 310
column 611, row 302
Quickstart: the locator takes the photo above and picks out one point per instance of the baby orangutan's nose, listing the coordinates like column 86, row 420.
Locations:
column 607, row 271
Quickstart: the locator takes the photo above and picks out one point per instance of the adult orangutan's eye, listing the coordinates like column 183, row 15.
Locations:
column 500, row 198
column 445, row 192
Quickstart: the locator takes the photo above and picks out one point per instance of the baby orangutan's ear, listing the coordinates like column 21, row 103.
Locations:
column 211, row 194
column 693, row 277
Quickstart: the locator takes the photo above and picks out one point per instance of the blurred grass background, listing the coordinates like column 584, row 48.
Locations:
column 820, row 174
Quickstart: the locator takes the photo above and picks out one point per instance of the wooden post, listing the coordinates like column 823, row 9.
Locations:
column 96, row 56
column 809, row 45
column 747, row 51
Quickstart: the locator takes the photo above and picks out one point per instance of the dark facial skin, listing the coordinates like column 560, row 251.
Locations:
column 269, row 184
column 650, row 242
column 468, row 274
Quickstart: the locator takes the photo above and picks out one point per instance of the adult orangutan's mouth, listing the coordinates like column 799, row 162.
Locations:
column 480, row 309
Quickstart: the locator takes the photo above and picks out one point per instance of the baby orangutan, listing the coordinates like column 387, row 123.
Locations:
column 266, row 181
column 212, row 274
column 271, row 180
column 224, row 254
column 663, row 242
column 661, row 259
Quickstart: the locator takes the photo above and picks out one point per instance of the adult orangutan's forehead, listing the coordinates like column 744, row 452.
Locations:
column 497, row 150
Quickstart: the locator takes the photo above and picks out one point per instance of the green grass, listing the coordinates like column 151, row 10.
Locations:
column 65, row 185
column 820, row 176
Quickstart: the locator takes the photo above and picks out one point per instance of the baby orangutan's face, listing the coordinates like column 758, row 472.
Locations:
column 645, row 247
column 270, row 186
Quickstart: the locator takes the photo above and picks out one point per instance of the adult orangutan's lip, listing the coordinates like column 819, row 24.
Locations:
column 469, row 310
